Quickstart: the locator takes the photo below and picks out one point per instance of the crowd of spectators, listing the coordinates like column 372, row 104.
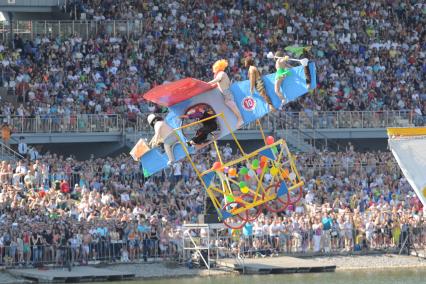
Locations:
column 105, row 208
column 369, row 54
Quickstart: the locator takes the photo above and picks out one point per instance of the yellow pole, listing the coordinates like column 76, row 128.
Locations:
column 232, row 133
column 217, row 151
column 261, row 130
column 209, row 193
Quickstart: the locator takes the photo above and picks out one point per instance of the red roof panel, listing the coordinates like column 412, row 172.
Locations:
column 172, row 93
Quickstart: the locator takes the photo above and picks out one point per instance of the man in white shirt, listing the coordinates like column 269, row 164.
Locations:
column 227, row 152
column 22, row 147
column 21, row 170
column 177, row 171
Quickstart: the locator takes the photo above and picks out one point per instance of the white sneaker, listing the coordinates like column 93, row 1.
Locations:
column 169, row 163
column 282, row 104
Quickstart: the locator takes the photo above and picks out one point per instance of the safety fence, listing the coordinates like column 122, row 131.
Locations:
column 341, row 169
column 345, row 119
column 123, row 123
column 399, row 239
column 95, row 252
column 65, row 123
column 29, row 30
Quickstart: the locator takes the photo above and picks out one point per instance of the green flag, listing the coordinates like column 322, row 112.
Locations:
column 296, row 50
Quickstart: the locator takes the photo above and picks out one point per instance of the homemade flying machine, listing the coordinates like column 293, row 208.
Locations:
column 241, row 188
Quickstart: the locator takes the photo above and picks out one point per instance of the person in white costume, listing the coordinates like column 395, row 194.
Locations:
column 163, row 134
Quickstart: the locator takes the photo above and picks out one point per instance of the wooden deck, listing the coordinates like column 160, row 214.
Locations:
column 276, row 265
column 77, row 274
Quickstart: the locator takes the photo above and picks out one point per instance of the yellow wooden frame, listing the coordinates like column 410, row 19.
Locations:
column 261, row 195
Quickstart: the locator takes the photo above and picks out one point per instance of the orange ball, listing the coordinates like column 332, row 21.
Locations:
column 263, row 159
column 232, row 172
column 285, row 173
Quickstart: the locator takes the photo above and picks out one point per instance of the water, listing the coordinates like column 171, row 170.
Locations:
column 389, row 276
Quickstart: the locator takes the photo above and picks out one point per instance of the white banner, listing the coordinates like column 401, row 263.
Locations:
column 410, row 153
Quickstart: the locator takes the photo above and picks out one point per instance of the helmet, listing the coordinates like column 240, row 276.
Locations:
column 151, row 118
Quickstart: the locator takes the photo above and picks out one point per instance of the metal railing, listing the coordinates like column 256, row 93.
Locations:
column 30, row 3
column 294, row 120
column 7, row 153
column 81, row 123
column 85, row 29
column 288, row 242
column 345, row 119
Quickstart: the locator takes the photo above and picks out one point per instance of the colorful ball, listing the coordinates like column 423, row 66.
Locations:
column 292, row 176
column 229, row 198
column 259, row 171
column 285, row 173
column 255, row 164
column 247, row 177
column 217, row 165
column 270, row 140
column 244, row 171
column 238, row 199
column 232, row 172
column 242, row 184
column 263, row 159
column 245, row 190
column 274, row 150
column 274, row 171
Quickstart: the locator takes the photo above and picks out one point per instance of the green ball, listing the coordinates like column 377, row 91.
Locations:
column 242, row 184
column 244, row 171
column 274, row 150
column 229, row 198
column 255, row 163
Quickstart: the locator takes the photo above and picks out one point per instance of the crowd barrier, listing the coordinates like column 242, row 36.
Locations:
column 225, row 246
column 291, row 120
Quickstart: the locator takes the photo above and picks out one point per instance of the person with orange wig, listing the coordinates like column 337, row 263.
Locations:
column 223, row 83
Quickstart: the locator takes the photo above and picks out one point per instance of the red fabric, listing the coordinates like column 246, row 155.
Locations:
column 176, row 92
